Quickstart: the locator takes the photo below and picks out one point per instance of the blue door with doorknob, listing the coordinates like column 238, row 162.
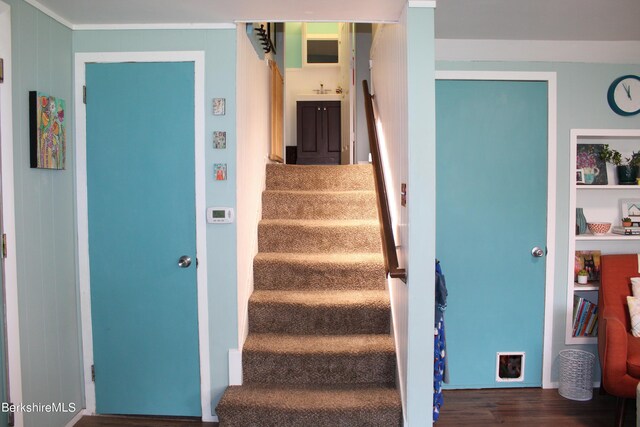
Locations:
column 141, row 213
column 491, row 215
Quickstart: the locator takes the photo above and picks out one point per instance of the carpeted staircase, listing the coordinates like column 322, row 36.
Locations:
column 319, row 351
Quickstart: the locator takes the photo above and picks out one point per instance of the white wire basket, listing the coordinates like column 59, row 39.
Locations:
column 576, row 374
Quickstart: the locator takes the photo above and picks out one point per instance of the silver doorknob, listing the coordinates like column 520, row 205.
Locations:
column 537, row 252
column 184, row 261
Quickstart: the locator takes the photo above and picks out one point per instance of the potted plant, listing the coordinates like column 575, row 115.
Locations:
column 626, row 169
column 626, row 222
column 583, row 277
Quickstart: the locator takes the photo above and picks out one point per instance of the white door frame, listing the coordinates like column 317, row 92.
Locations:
column 197, row 57
column 8, row 213
column 551, row 79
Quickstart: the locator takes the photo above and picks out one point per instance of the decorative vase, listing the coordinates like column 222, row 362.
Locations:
column 583, row 280
column 627, row 174
column 581, row 221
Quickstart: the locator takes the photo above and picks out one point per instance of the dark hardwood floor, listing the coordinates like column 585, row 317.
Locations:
column 522, row 407
column 118, row 421
column 528, row 407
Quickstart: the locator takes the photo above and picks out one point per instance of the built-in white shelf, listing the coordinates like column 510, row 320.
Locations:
column 581, row 340
column 601, row 203
column 578, row 287
column 608, row 236
column 609, row 187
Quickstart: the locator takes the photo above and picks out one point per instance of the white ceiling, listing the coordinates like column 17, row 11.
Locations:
column 607, row 20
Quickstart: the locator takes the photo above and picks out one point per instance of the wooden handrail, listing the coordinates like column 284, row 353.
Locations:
column 384, row 214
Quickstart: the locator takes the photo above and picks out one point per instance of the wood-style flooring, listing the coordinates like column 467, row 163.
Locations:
column 522, row 407
column 528, row 407
column 119, row 421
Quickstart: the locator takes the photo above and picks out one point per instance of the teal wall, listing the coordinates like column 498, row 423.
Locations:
column 293, row 44
column 421, row 252
column 220, row 82
column 45, row 223
column 322, row 28
column 582, row 103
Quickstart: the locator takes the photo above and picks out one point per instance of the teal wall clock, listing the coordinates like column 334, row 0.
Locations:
column 624, row 95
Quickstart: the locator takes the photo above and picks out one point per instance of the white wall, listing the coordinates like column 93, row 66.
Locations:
column 403, row 57
column 303, row 81
column 389, row 85
column 254, row 136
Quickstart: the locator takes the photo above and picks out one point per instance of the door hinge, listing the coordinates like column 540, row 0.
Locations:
column 1, row 70
column 93, row 373
column 4, row 246
column 11, row 417
column 84, row 95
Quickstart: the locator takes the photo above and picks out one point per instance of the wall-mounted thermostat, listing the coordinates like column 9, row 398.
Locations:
column 220, row 215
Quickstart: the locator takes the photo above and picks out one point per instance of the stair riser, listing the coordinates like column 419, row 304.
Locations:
column 283, row 275
column 283, row 368
column 319, row 178
column 360, row 205
column 269, row 417
column 318, row 239
column 329, row 320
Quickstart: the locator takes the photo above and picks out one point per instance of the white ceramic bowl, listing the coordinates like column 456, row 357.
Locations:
column 599, row 228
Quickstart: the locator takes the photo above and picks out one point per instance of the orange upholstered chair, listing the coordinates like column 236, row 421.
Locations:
column 619, row 351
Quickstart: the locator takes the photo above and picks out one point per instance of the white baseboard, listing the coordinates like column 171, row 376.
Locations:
column 235, row 367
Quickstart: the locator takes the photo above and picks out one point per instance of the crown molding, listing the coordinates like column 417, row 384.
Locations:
column 607, row 52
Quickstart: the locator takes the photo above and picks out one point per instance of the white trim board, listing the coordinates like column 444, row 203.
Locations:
column 168, row 26
column 80, row 60
column 607, row 52
column 423, row 3
column 8, row 214
column 552, row 89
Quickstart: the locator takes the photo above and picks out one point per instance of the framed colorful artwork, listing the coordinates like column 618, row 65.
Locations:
column 47, row 131
column 220, row 171
column 590, row 261
column 219, row 106
column 594, row 169
column 219, row 139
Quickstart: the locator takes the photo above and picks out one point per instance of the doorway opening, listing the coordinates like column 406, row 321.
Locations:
column 322, row 63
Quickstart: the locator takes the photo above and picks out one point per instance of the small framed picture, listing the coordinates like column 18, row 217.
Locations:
column 219, row 139
column 579, row 176
column 220, row 171
column 630, row 208
column 219, row 106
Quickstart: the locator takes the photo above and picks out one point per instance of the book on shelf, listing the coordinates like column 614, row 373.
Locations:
column 585, row 317
column 626, row 231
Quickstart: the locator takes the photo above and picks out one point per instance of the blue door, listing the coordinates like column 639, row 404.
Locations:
column 141, row 209
column 491, row 212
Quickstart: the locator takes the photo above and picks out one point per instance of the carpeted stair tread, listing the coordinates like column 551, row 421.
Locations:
column 322, row 359
column 312, row 236
column 319, row 350
column 319, row 204
column 320, row 312
column 318, row 271
column 275, row 405
column 318, row 178
column 326, row 344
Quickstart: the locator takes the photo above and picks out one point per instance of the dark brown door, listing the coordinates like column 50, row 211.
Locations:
column 319, row 132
